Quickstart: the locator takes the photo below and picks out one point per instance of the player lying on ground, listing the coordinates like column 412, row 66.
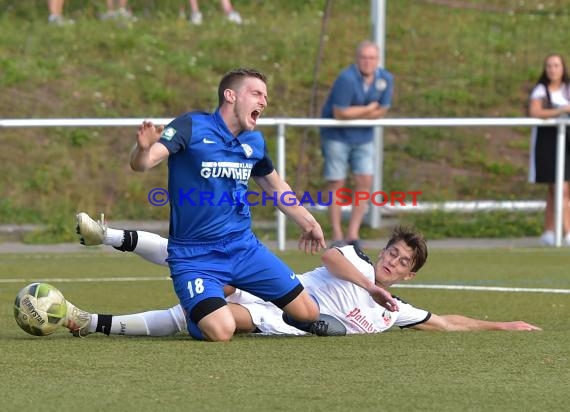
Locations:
column 342, row 287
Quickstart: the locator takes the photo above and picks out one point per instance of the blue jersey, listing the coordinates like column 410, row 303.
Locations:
column 208, row 173
column 349, row 90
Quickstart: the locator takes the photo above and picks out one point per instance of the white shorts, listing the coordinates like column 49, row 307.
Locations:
column 265, row 315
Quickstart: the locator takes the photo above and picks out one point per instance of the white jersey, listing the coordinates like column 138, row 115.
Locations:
column 349, row 303
column 558, row 97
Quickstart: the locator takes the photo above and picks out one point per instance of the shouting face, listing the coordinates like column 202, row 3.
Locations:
column 248, row 101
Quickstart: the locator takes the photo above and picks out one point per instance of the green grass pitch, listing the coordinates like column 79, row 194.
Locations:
column 397, row 370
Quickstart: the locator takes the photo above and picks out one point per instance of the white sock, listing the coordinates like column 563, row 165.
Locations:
column 93, row 324
column 113, row 237
column 152, row 323
column 152, row 247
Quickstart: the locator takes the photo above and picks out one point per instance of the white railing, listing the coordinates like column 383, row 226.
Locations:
column 282, row 123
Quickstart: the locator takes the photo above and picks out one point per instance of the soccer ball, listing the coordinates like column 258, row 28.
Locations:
column 40, row 309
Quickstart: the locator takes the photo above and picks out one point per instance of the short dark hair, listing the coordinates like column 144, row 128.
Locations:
column 232, row 79
column 415, row 241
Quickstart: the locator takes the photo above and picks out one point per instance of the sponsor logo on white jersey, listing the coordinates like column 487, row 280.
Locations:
column 387, row 317
column 359, row 319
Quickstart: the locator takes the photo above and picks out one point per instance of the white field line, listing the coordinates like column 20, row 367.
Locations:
column 484, row 288
column 409, row 286
column 87, row 280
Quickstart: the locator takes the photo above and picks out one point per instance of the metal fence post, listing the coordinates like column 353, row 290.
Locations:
column 373, row 211
column 378, row 14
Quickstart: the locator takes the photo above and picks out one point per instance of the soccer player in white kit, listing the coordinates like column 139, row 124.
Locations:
column 343, row 287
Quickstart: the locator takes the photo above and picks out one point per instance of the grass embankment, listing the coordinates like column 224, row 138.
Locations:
column 448, row 61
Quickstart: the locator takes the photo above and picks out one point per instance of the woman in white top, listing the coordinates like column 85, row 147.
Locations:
column 549, row 98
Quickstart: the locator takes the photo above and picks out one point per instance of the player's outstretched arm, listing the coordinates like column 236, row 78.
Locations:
column 338, row 265
column 147, row 153
column 459, row 323
column 312, row 238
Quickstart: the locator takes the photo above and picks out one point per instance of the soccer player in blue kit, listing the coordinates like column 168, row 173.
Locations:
column 210, row 159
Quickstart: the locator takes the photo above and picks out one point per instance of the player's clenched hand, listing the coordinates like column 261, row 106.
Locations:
column 383, row 298
column 148, row 134
column 312, row 239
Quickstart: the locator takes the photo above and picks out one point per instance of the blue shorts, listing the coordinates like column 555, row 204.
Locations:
column 199, row 271
column 338, row 156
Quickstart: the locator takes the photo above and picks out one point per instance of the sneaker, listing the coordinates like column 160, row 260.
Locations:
column 327, row 326
column 547, row 238
column 60, row 21
column 77, row 321
column 234, row 17
column 126, row 14
column 196, row 18
column 109, row 15
column 92, row 233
